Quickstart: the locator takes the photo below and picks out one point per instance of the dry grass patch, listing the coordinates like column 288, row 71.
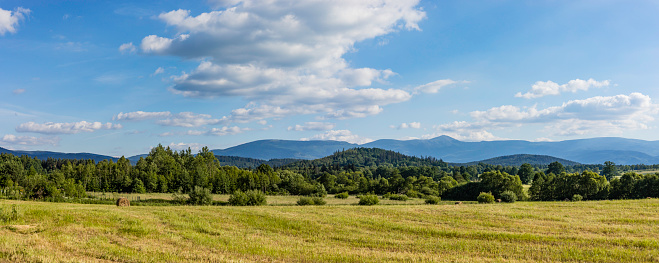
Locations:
column 604, row 231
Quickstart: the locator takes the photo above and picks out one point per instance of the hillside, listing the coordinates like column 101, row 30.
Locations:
column 365, row 157
column 43, row 155
column 519, row 159
column 243, row 162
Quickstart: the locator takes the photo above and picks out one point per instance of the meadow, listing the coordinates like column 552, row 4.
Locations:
column 592, row 231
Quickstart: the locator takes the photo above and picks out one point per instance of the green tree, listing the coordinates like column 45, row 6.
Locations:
column 610, row 170
column 526, row 173
column 555, row 168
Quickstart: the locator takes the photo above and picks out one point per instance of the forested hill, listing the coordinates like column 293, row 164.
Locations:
column 44, row 155
column 519, row 159
column 367, row 157
column 243, row 162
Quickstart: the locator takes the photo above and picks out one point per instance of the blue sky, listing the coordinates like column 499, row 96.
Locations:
column 119, row 77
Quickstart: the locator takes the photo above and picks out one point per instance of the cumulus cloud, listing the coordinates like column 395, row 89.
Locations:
column 339, row 135
column 11, row 139
column 411, row 125
column 285, row 56
column 9, row 19
column 544, row 88
column 596, row 115
column 66, row 128
column 127, row 48
column 312, row 126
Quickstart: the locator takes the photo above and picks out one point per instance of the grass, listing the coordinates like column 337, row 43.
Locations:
column 601, row 231
column 645, row 171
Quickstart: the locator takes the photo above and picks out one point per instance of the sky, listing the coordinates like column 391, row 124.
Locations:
column 120, row 77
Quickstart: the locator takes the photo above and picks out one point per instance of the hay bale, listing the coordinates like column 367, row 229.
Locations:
column 498, row 200
column 458, row 203
column 122, row 201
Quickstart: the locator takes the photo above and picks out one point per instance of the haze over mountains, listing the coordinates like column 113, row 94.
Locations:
column 586, row 151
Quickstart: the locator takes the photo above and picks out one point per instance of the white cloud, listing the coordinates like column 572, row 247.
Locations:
column 166, row 118
column 218, row 131
column 285, row 55
column 189, row 119
column 412, row 125
column 227, row 131
column 635, row 106
column 11, row 139
column 9, row 19
column 159, row 70
column 434, row 87
column 194, row 147
column 466, row 135
column 66, row 128
column 127, row 48
column 312, row 126
column 597, row 115
column 18, row 91
column 141, row 115
column 542, row 88
column 155, row 44
column 339, row 135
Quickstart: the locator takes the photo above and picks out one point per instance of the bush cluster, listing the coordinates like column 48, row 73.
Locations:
column 9, row 216
column 577, row 198
column 508, row 197
column 432, row 200
column 200, row 196
column 304, row 200
column 485, row 198
column 343, row 195
column 249, row 198
column 369, row 199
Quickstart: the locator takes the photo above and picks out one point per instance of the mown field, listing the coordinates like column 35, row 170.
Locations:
column 594, row 231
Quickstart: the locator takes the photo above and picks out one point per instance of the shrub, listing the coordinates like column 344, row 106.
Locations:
column 343, row 195
column 238, row 198
column 179, row 198
column 311, row 201
column 398, row 197
column 369, row 199
column 251, row 198
column 305, row 201
column 432, row 200
column 413, row 194
column 508, row 196
column 200, row 196
column 9, row 216
column 485, row 198
column 577, row 198
column 319, row 201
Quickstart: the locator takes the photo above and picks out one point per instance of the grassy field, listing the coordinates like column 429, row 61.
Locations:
column 602, row 231
column 646, row 171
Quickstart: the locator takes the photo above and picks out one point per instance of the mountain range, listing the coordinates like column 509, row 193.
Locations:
column 585, row 151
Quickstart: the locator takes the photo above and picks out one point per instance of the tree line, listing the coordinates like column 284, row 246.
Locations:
column 166, row 171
